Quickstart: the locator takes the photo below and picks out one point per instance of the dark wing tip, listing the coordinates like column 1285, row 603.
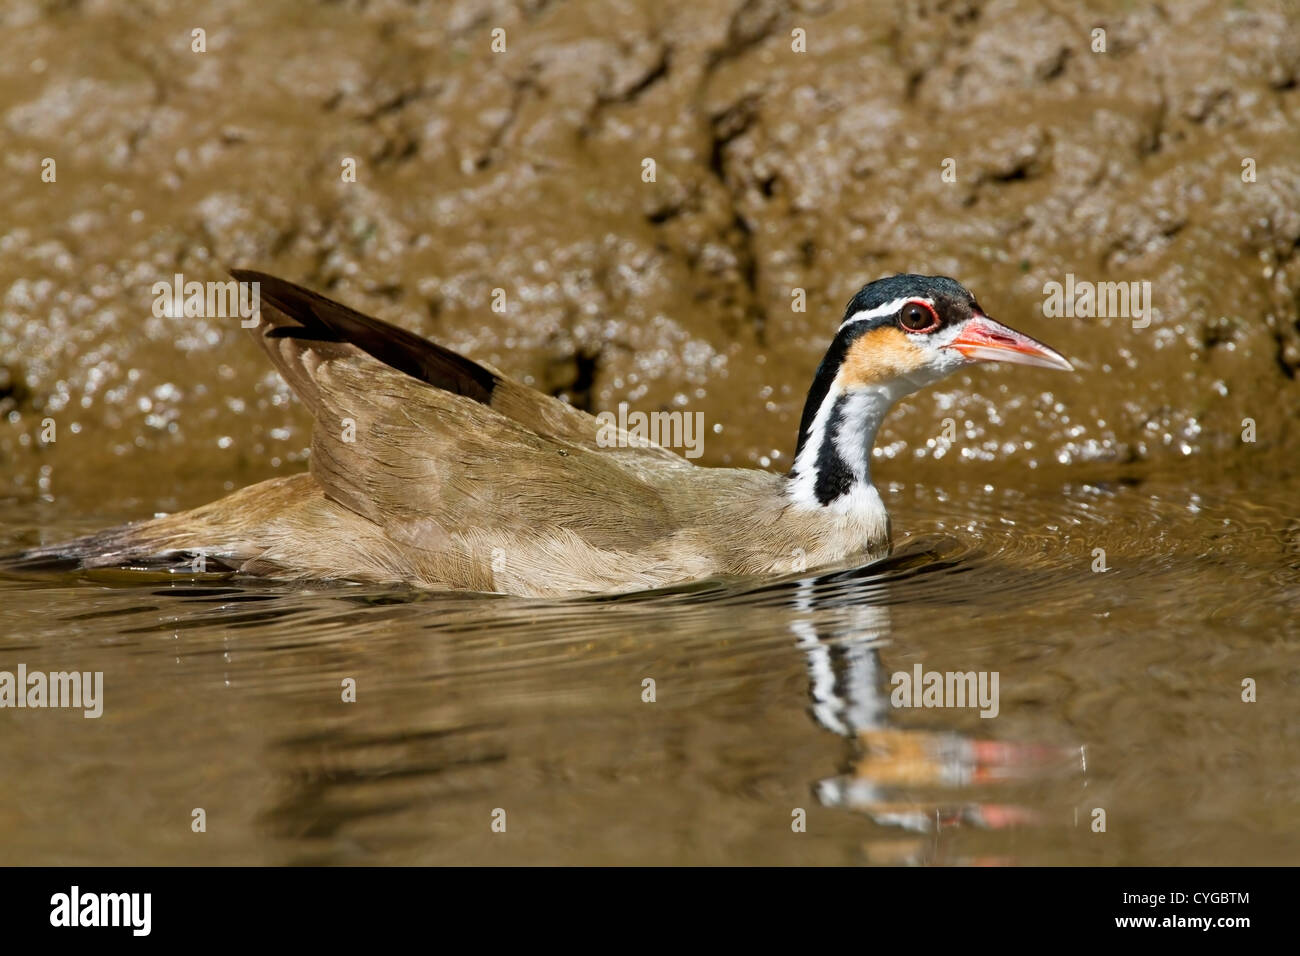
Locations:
column 324, row 320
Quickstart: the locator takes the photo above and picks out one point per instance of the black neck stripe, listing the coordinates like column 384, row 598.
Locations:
column 834, row 476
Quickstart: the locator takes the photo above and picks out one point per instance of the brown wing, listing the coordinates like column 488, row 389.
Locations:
column 303, row 316
column 408, row 434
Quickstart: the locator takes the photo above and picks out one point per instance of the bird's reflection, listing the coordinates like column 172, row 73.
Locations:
column 430, row 764
column 919, row 781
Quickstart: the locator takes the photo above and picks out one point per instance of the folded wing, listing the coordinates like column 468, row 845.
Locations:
column 427, row 443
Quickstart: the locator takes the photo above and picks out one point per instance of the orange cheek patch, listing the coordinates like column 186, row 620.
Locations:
column 880, row 356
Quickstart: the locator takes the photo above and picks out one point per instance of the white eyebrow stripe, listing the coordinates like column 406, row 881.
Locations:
column 889, row 308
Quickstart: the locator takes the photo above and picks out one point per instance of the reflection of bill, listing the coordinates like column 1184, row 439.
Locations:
column 891, row 768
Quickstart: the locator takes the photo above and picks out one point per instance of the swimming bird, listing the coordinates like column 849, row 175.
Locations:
column 432, row 470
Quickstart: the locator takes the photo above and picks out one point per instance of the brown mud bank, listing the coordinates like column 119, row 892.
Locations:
column 775, row 171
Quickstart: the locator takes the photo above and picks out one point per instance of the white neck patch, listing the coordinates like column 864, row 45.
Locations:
column 862, row 409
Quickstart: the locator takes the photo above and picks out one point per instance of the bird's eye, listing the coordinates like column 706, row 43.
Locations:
column 918, row 317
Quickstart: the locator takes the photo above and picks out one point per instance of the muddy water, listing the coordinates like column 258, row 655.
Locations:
column 1118, row 690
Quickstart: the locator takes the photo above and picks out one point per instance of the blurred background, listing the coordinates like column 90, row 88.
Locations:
column 796, row 146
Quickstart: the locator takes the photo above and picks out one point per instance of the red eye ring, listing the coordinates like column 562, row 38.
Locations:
column 916, row 316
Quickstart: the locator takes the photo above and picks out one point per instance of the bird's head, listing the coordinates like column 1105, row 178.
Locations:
column 899, row 334
column 909, row 331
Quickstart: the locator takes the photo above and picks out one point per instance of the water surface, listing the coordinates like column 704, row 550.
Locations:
column 1119, row 690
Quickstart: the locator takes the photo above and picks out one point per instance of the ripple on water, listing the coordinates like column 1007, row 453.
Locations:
column 769, row 694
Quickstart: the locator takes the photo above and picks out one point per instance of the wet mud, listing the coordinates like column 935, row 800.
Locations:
column 775, row 171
